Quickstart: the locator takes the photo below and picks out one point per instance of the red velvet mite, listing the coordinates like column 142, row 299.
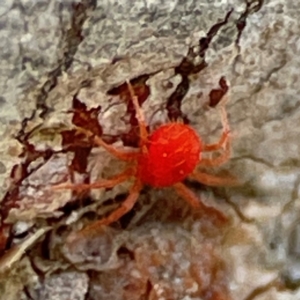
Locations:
column 173, row 152
column 165, row 157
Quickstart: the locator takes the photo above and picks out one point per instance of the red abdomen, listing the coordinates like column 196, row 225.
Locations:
column 173, row 153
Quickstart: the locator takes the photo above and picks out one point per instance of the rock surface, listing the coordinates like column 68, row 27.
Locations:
column 54, row 50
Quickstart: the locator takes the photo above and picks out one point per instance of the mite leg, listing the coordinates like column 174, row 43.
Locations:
column 103, row 183
column 219, row 160
column 212, row 180
column 121, row 154
column 95, row 228
column 139, row 114
column 224, row 139
column 196, row 203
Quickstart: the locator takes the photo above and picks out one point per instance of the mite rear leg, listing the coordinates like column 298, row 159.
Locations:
column 95, row 228
column 212, row 180
column 196, row 203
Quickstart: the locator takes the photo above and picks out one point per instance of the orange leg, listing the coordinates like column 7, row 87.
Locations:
column 195, row 202
column 122, row 155
column 219, row 160
column 127, row 205
column 224, row 137
column 104, row 183
column 212, row 180
column 139, row 115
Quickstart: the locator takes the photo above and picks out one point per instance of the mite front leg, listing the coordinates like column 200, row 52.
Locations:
column 224, row 139
column 139, row 115
column 219, row 160
column 118, row 153
column 103, row 183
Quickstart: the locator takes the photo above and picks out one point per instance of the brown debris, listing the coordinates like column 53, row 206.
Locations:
column 216, row 95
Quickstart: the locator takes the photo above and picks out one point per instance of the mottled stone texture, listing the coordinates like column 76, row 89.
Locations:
column 52, row 50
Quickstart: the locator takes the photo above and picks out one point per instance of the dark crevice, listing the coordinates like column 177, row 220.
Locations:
column 205, row 42
column 188, row 67
column 149, row 289
column 241, row 23
column 71, row 41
